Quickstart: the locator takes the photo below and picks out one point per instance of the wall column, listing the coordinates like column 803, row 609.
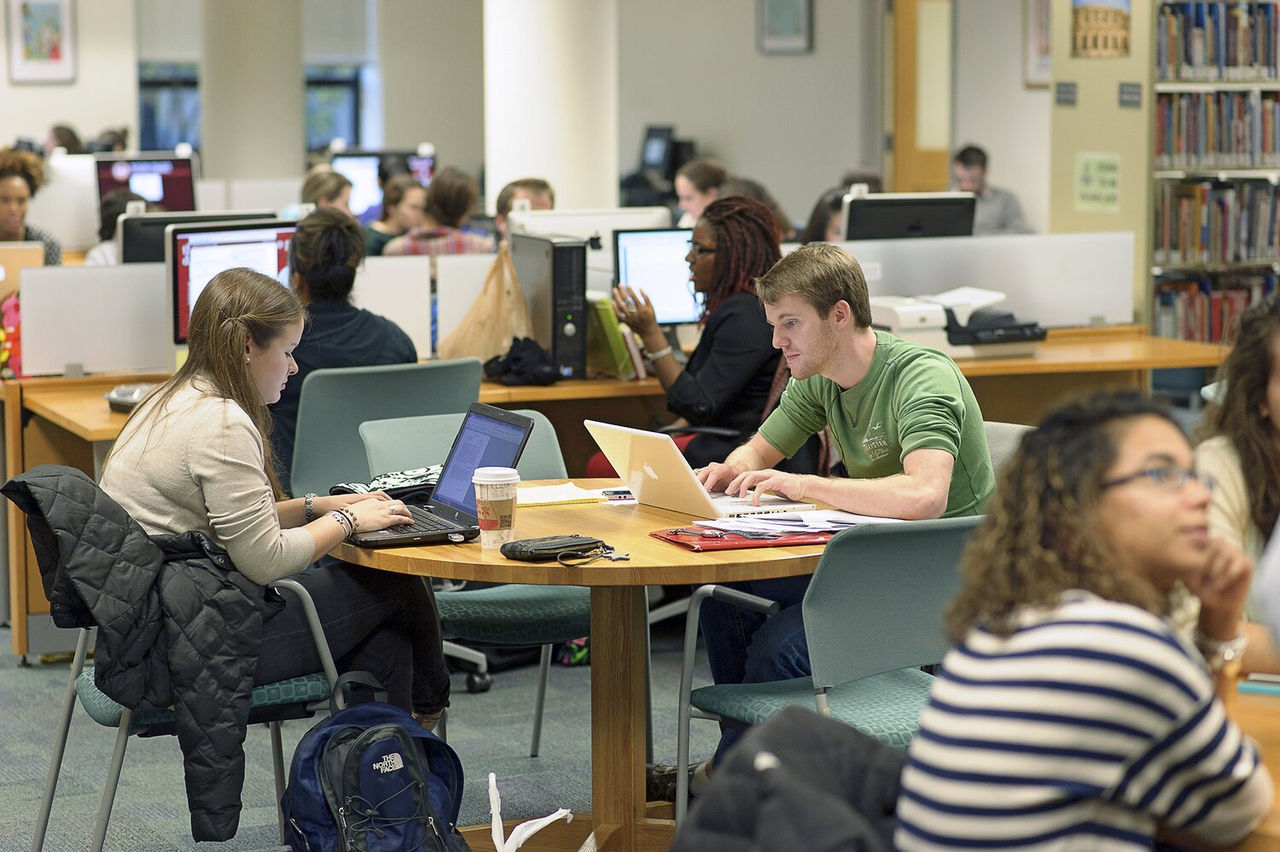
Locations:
column 551, row 97
column 252, row 89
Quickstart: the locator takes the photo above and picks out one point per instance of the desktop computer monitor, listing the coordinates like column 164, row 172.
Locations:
column 897, row 215
column 655, row 260
column 361, row 168
column 196, row 253
column 166, row 181
column 140, row 236
column 658, row 153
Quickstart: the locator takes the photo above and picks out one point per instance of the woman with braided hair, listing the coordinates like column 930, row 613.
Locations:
column 1072, row 712
column 728, row 378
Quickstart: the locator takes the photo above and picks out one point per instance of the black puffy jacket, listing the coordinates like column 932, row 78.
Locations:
column 179, row 626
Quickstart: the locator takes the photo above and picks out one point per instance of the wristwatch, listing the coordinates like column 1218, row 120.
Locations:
column 308, row 507
column 1222, row 655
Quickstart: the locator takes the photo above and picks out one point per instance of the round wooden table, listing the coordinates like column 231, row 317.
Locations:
column 619, row 628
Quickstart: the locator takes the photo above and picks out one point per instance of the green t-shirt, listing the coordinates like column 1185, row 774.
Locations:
column 911, row 398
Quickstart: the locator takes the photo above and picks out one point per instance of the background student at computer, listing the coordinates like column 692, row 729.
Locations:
column 21, row 176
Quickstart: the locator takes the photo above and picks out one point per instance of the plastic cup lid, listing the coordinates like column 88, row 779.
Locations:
column 495, row 475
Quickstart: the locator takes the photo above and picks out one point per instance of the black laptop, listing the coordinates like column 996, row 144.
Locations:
column 488, row 437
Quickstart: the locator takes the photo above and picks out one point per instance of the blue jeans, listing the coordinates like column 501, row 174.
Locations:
column 746, row 647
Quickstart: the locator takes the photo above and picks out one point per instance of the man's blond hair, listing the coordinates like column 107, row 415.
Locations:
column 821, row 274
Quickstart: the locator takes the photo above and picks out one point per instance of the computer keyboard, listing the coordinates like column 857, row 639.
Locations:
column 424, row 521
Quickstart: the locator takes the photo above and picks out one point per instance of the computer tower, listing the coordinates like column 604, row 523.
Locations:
column 552, row 271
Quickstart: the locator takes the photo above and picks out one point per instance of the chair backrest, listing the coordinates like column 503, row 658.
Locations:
column 334, row 402
column 876, row 602
column 1002, row 440
column 403, row 443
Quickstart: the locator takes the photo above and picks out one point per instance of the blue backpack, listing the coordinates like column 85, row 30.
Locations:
column 369, row 778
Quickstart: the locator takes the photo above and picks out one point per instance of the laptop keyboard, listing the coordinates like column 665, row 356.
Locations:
column 423, row 521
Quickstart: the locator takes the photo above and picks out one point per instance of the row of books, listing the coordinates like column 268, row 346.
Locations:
column 1212, row 222
column 1218, row 130
column 1217, row 40
column 1206, row 310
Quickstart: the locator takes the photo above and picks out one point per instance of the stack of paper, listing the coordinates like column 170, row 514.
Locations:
column 550, row 495
column 786, row 523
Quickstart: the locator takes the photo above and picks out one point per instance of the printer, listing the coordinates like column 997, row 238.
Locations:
column 960, row 322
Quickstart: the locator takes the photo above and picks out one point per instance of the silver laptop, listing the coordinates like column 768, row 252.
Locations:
column 653, row 467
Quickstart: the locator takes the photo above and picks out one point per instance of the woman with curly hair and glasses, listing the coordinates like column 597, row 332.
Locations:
column 1072, row 713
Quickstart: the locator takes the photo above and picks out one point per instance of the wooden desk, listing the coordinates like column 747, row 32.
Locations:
column 50, row 421
column 1259, row 717
column 66, row 421
column 619, row 626
column 1022, row 390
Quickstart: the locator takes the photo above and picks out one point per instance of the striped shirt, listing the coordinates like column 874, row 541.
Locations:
column 1086, row 728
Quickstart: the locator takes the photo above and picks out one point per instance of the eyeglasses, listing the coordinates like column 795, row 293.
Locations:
column 1168, row 478
column 697, row 250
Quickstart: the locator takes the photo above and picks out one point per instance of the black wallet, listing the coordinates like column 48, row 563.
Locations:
column 553, row 547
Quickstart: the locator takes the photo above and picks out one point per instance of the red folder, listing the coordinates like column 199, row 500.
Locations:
column 694, row 538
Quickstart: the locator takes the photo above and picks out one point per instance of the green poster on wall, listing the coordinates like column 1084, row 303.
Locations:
column 1097, row 183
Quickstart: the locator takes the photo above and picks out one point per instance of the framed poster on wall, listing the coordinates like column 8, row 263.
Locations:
column 784, row 26
column 42, row 41
column 1035, row 44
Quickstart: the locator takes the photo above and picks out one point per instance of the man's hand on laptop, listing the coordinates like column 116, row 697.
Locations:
column 717, row 475
column 753, row 483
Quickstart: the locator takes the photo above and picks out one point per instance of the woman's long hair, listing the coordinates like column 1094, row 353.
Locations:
column 1040, row 537
column 746, row 247
column 1239, row 412
column 237, row 306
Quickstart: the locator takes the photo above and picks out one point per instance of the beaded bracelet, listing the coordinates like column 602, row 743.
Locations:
column 351, row 516
column 343, row 521
column 661, row 353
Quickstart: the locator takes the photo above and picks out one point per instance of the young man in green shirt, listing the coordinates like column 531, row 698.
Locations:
column 904, row 418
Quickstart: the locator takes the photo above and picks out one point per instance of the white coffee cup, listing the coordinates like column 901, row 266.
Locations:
column 496, row 504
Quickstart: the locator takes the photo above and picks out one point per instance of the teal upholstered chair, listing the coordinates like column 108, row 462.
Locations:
column 873, row 613
column 514, row 614
column 296, row 698
column 334, row 402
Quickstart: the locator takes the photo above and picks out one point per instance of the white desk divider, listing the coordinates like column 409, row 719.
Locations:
column 1056, row 280
column 459, row 280
column 211, row 194
column 398, row 288
column 256, row 193
column 104, row 318
column 67, row 204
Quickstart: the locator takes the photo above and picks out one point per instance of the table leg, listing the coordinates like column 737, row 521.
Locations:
column 619, row 623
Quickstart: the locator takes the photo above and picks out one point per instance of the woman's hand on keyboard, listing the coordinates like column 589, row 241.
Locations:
column 378, row 512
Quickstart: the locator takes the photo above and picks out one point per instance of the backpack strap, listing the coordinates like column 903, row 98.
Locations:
column 349, row 684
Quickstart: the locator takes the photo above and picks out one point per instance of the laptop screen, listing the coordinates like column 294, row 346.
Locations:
column 483, row 441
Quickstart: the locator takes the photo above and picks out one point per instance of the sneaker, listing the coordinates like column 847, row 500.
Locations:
column 660, row 781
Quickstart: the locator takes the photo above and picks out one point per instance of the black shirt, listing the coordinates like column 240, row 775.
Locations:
column 727, row 379
column 339, row 335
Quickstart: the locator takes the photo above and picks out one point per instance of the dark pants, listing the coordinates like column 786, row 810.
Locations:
column 375, row 621
column 746, row 647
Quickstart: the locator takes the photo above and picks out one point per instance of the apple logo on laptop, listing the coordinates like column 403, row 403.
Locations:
column 649, row 472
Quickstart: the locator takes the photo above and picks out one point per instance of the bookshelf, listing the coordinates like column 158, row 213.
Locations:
column 1215, row 212
column 1198, row 152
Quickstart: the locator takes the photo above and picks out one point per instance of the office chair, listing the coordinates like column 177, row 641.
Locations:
column 1002, row 440
column 272, row 703
column 334, row 402
column 510, row 615
column 873, row 612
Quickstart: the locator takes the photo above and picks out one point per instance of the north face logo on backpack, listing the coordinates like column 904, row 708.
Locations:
column 390, row 763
